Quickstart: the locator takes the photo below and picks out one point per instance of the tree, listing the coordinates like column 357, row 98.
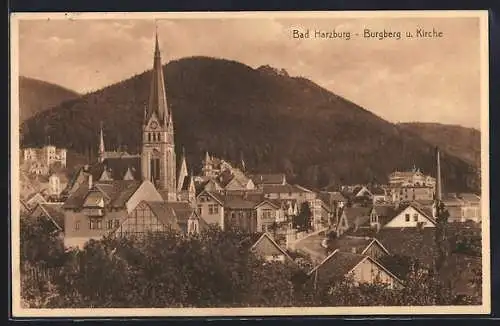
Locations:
column 303, row 219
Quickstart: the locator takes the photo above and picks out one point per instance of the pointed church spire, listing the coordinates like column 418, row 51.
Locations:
column 157, row 97
column 102, row 149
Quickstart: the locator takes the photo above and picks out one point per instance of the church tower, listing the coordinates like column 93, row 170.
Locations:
column 158, row 162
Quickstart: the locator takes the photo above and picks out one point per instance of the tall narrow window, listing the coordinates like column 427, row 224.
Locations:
column 159, row 137
column 149, row 137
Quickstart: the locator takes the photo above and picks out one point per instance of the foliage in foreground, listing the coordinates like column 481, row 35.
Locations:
column 214, row 269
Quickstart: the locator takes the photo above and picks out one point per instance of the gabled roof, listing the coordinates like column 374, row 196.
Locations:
column 164, row 213
column 339, row 264
column 183, row 210
column 215, row 195
column 425, row 211
column 266, row 235
column 273, row 203
column 353, row 244
column 118, row 192
column 410, row 242
column 35, row 196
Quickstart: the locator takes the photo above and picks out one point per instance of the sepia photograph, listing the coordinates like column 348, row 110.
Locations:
column 249, row 163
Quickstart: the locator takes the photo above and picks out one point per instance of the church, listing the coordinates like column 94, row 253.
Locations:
column 157, row 161
column 126, row 193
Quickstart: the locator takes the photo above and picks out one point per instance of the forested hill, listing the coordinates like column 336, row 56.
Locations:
column 459, row 141
column 276, row 122
column 36, row 96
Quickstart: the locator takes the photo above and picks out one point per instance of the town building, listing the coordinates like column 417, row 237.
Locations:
column 45, row 157
column 463, row 207
column 362, row 269
column 359, row 245
column 266, row 248
column 415, row 177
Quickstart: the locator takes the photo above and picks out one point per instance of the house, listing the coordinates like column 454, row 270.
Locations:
column 95, row 207
column 157, row 216
column 266, row 248
column 351, row 218
column 414, row 243
column 361, row 268
column 202, row 183
column 397, row 193
column 235, row 180
column 240, row 213
column 378, row 195
column 414, row 177
column 57, row 183
column 51, row 212
column 47, row 155
column 411, row 216
column 463, row 207
column 278, row 179
column 321, row 213
column 359, row 245
column 187, row 190
column 34, row 199
column 291, row 192
column 269, row 213
column 210, row 207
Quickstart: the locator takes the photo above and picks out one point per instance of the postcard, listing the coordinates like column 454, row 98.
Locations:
column 249, row 164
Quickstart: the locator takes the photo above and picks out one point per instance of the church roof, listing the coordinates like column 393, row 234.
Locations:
column 117, row 168
column 157, row 103
column 186, row 183
column 117, row 192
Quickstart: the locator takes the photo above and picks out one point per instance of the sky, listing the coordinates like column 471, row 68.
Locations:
column 405, row 80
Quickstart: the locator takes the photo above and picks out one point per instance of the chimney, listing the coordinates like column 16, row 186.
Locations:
column 438, row 176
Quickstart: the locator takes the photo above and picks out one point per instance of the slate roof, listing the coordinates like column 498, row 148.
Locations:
column 261, row 179
column 338, row 264
column 359, row 215
column 186, row 182
column 335, row 266
column 239, row 203
column 117, row 193
column 217, row 196
column 165, row 214
column 118, row 166
column 350, row 243
column 410, row 242
column 272, row 241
